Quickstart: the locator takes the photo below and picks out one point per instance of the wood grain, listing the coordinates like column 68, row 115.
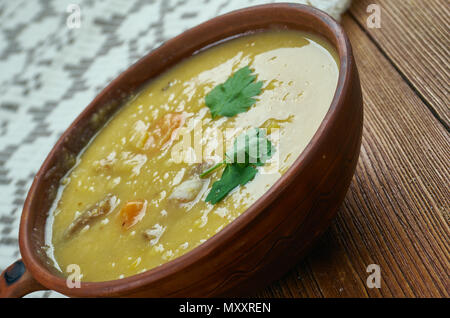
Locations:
column 414, row 35
column 396, row 213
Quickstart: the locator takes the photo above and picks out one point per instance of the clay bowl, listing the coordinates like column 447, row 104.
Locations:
column 266, row 240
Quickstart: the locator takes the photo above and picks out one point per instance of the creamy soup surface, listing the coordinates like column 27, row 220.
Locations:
column 129, row 204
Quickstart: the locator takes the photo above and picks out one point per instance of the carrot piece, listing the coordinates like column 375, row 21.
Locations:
column 132, row 212
column 164, row 131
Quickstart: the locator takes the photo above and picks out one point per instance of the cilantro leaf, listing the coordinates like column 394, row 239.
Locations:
column 235, row 95
column 233, row 176
column 250, row 149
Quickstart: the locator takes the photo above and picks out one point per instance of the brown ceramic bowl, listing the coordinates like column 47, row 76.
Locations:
column 266, row 240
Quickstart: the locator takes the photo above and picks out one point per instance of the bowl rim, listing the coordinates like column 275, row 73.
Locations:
column 132, row 283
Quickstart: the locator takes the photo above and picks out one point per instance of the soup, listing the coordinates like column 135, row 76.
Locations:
column 148, row 188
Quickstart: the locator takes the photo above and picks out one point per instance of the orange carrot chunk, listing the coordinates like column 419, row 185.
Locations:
column 132, row 212
column 164, row 131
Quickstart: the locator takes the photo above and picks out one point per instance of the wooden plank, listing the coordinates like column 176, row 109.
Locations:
column 396, row 211
column 299, row 283
column 414, row 35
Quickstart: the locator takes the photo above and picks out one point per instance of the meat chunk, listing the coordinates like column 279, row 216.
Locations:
column 187, row 190
column 154, row 234
column 92, row 214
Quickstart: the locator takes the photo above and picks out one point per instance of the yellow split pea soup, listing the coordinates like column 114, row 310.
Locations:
column 129, row 204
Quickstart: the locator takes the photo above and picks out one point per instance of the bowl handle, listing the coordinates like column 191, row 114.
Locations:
column 16, row 281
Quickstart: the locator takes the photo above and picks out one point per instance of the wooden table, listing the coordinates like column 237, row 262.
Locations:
column 396, row 213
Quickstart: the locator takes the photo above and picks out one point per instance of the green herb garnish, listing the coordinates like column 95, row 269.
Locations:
column 234, row 96
column 233, row 176
column 250, row 149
